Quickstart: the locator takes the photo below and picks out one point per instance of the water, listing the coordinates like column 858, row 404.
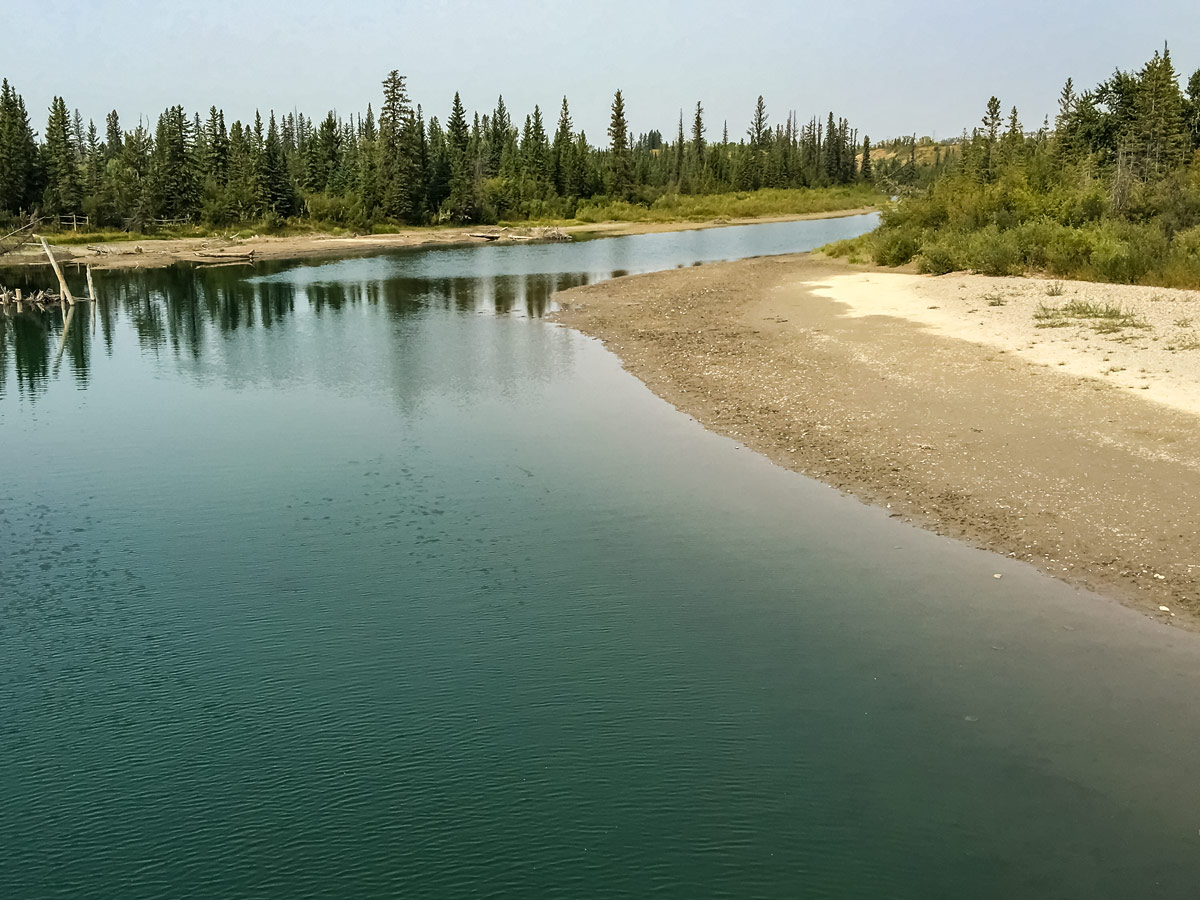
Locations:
column 356, row 579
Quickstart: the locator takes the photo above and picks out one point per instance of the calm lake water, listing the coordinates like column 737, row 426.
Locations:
column 356, row 579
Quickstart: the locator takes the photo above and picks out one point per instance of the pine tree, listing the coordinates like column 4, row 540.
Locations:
column 759, row 132
column 560, row 152
column 215, row 164
column 1193, row 109
column 537, row 154
column 864, row 169
column 278, row 193
column 438, row 179
column 831, row 153
column 113, row 139
column 1014, row 138
column 618, row 137
column 173, row 185
column 459, row 204
column 501, row 128
column 698, row 135
column 59, row 161
column 1160, row 130
column 457, row 133
column 93, row 176
column 677, row 162
column 368, row 173
column 399, row 149
column 18, row 153
column 991, row 126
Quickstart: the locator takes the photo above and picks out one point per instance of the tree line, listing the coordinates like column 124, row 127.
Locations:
column 1109, row 191
column 394, row 167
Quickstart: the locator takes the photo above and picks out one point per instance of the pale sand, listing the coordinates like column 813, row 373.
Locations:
column 1160, row 361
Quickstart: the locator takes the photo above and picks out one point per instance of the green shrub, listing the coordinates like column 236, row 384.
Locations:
column 941, row 255
column 895, row 247
column 994, row 252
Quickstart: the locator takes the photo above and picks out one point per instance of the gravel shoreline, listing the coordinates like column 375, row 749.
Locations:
column 979, row 408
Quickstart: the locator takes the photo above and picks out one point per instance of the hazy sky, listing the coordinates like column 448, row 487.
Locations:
column 890, row 67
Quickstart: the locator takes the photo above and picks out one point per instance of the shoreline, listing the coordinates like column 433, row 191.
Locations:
column 222, row 251
column 948, row 414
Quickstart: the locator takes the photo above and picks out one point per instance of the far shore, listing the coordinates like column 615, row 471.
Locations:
column 147, row 254
column 1057, row 423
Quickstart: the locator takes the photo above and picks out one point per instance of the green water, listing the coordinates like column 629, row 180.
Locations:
column 357, row 579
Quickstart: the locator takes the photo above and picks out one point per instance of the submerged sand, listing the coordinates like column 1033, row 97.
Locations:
column 982, row 408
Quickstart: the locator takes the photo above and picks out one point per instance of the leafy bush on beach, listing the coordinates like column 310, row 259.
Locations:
column 1111, row 193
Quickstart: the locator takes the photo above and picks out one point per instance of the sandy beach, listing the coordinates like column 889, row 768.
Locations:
column 148, row 254
column 1054, row 422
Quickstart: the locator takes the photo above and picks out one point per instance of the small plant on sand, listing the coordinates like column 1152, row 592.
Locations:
column 995, row 299
column 1105, row 318
column 1054, row 289
column 1049, row 317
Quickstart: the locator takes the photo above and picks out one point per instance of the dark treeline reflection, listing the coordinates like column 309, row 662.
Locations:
column 184, row 310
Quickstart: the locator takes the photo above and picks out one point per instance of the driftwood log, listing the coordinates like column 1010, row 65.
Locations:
column 62, row 282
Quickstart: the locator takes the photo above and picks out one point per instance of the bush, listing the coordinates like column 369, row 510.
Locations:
column 1125, row 253
column 942, row 255
column 994, row 252
column 895, row 247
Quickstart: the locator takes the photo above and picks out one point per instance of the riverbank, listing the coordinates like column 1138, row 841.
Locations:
column 1055, row 423
column 230, row 251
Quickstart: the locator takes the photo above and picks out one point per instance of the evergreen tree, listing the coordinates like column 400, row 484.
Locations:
column 1159, row 129
column 537, row 152
column 1193, row 109
column 758, row 132
column 991, row 125
column 831, row 152
column 677, row 161
column 561, row 151
column 457, row 133
column 864, row 169
column 173, row 186
column 59, row 162
column 278, row 194
column 399, row 149
column 113, row 139
column 18, row 153
column 501, row 128
column 1014, row 138
column 620, row 173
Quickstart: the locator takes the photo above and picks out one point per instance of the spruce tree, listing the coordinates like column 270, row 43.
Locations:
column 759, row 133
column 537, row 155
column 677, row 162
column 1193, row 109
column 59, row 161
column 457, row 133
column 278, row 194
column 113, row 139
column 501, row 127
column 864, row 169
column 18, row 153
column 991, row 131
column 399, row 149
column 1159, row 129
column 560, row 152
column 620, row 174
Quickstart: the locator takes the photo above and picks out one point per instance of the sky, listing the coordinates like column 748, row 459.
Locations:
column 891, row 68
